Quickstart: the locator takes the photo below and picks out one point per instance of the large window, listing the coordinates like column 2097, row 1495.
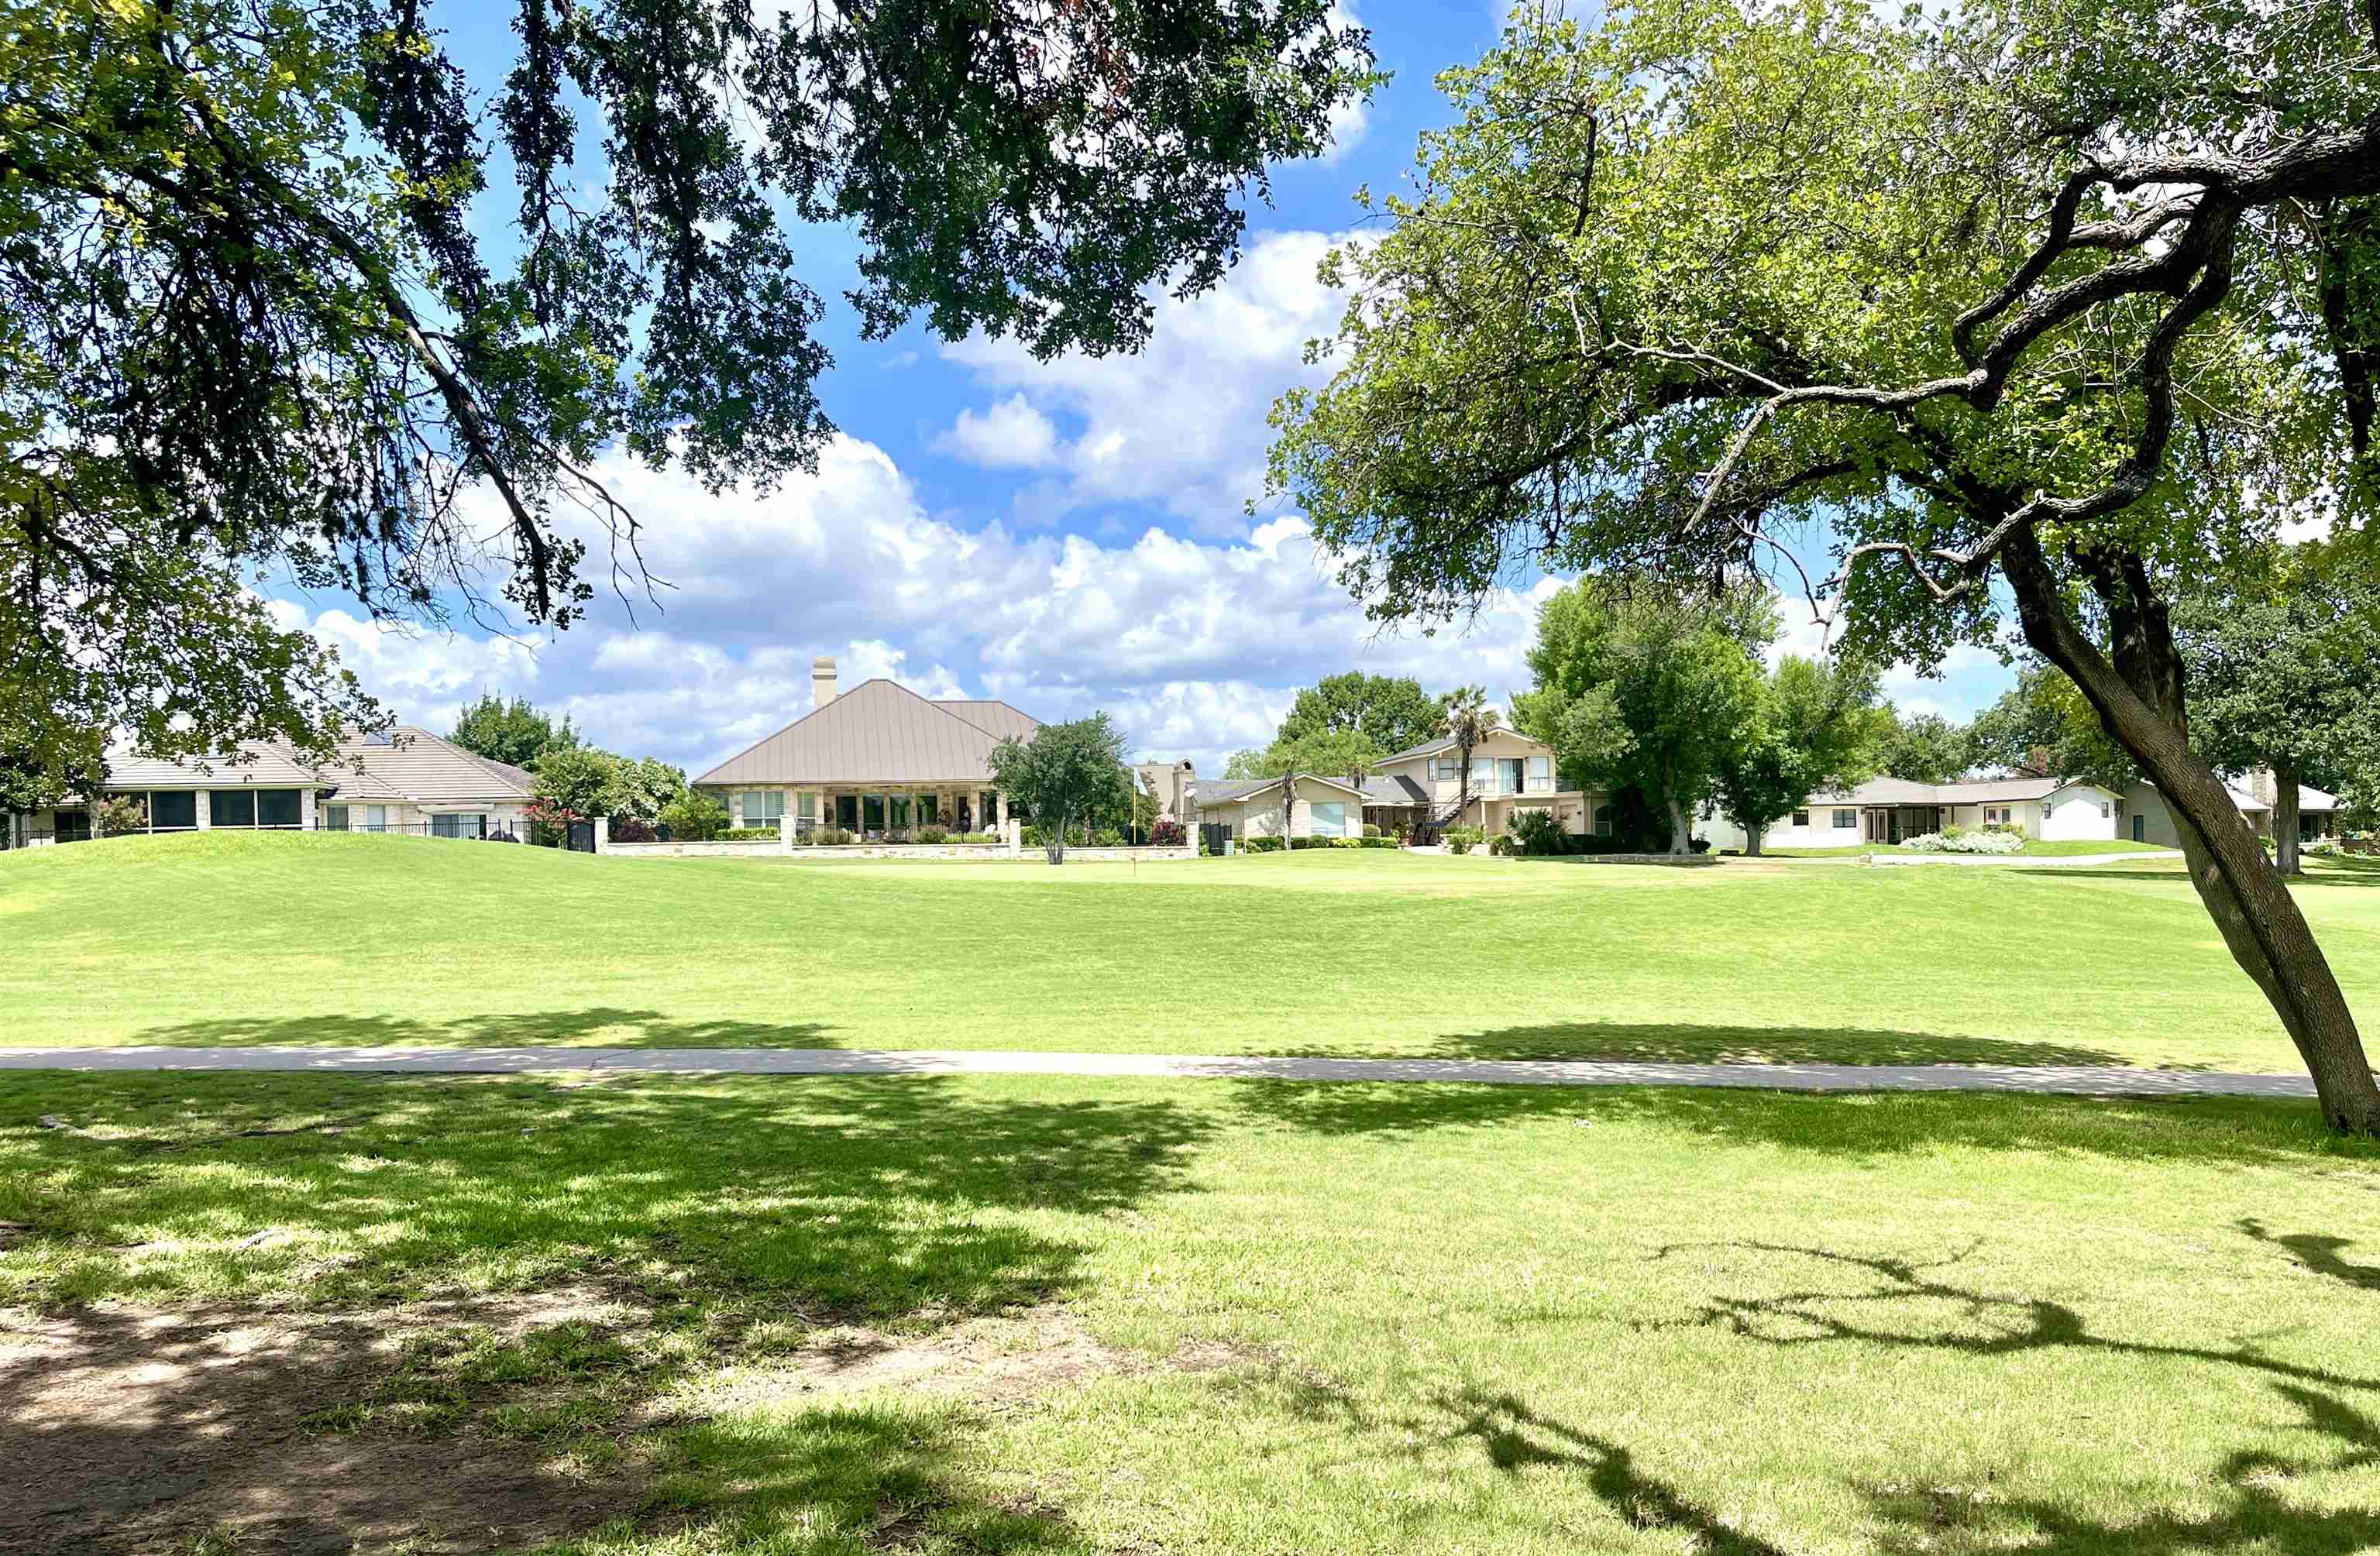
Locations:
column 172, row 810
column 763, row 807
column 452, row 824
column 986, row 815
column 929, row 810
column 278, row 807
column 231, row 807
column 900, row 803
column 1450, row 767
column 1329, row 818
column 809, row 810
column 1846, row 821
column 1508, row 774
column 1606, row 820
column 1541, row 771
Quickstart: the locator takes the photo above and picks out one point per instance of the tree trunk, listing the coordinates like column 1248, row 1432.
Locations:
column 1752, row 836
column 1054, row 842
column 1679, row 831
column 2138, row 694
column 2284, row 822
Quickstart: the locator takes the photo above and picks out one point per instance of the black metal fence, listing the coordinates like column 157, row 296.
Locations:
column 470, row 829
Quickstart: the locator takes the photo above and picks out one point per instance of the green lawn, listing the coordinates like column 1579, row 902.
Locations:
column 329, row 938
column 1324, row 1318
column 2034, row 848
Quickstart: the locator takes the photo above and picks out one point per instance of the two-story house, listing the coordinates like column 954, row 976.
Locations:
column 1422, row 787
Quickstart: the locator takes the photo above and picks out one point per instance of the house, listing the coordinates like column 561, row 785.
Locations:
column 2148, row 821
column 1419, row 789
column 406, row 781
column 1422, row 787
column 878, row 758
column 1891, row 810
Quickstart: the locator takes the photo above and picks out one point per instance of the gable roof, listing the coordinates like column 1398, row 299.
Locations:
column 1225, row 791
column 413, row 765
column 880, row 731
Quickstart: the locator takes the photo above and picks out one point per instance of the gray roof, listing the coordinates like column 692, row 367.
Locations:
column 878, row 731
column 1396, row 790
column 1223, row 791
column 1424, row 748
column 412, row 765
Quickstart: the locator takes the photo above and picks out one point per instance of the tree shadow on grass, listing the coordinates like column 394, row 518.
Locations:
column 2228, row 1131
column 2318, row 1253
column 1688, row 1044
column 873, row 1197
column 596, row 1025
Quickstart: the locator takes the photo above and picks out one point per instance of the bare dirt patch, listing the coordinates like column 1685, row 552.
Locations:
column 130, row 1430
column 995, row 1361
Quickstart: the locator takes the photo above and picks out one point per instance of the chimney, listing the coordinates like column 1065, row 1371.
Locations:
column 2262, row 784
column 821, row 682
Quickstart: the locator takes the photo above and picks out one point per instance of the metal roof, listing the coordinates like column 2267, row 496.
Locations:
column 992, row 715
column 878, row 731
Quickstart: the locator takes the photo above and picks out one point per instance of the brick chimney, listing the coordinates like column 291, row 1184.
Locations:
column 2262, row 784
column 821, row 682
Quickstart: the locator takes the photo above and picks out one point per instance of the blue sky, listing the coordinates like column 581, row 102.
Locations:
column 1068, row 535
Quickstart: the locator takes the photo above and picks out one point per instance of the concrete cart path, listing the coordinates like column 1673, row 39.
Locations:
column 2069, row 1079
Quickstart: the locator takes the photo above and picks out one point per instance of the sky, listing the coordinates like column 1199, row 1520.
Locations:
column 1069, row 536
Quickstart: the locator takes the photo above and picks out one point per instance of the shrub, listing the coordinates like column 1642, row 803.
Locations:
column 631, row 830
column 118, row 813
column 1107, row 837
column 1033, row 838
column 833, row 837
column 1380, row 843
column 1987, row 841
column 698, row 818
column 1260, row 845
column 747, row 835
column 1537, row 832
column 1463, row 840
column 2013, row 829
column 1371, row 830
column 1167, row 835
column 933, row 834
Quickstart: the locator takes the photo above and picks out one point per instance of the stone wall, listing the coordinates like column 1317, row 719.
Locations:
column 980, row 853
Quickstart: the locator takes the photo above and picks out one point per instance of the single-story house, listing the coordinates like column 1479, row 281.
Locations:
column 878, row 758
column 407, row 782
column 1321, row 807
column 2146, row 820
column 1891, row 810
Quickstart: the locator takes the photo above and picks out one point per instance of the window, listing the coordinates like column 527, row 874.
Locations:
column 2046, row 813
column 335, row 818
column 2106, row 813
column 1606, row 820
column 70, row 826
column 808, row 810
column 1801, row 818
column 900, row 810
column 458, row 826
column 231, row 807
column 173, row 810
column 375, row 817
column 763, row 807
column 1508, row 774
column 930, row 809
column 1330, row 817
column 1450, row 768
column 277, row 807
column 987, row 808
column 1846, row 820
column 1541, row 772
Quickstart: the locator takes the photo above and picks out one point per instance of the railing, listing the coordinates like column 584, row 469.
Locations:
column 467, row 828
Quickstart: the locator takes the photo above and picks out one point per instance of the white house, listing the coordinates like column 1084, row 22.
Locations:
column 1888, row 810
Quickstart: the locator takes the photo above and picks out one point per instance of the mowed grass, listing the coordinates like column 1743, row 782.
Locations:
column 1339, row 1317
column 347, row 939
column 2034, row 848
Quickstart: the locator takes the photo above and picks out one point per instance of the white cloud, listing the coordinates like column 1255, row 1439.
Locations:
column 1010, row 435
column 1349, row 120
column 1198, row 646
column 1180, row 424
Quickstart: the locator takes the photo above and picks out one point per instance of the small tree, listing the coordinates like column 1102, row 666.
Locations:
column 512, row 732
column 112, row 816
column 579, row 779
column 1817, row 727
column 645, row 788
column 1063, row 773
column 1469, row 721
column 1649, row 689
column 1927, row 748
column 694, row 819
column 2283, row 665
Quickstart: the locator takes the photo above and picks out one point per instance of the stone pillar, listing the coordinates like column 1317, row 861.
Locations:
column 1012, row 832
column 602, row 834
column 305, row 808
column 205, row 816
column 786, row 830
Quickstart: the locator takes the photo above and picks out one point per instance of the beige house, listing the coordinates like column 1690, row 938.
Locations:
column 2146, row 820
column 874, row 760
column 1245, row 808
column 1891, row 810
column 409, row 781
column 1422, row 788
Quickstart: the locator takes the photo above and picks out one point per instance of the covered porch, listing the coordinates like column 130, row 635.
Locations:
column 875, row 813
column 1893, row 824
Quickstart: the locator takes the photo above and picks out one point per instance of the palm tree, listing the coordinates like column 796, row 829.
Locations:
column 1469, row 721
